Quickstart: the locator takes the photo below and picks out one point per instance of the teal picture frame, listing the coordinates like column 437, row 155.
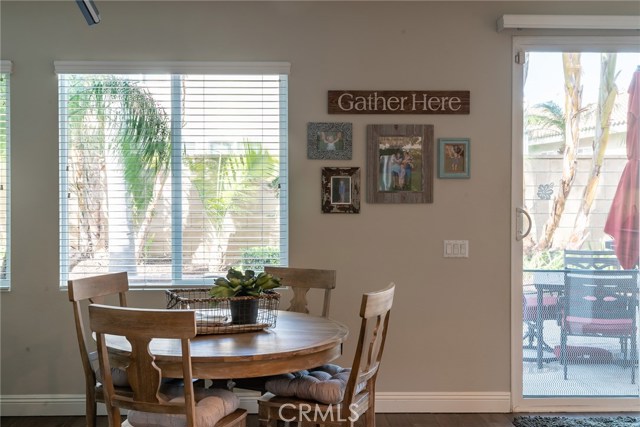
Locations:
column 454, row 158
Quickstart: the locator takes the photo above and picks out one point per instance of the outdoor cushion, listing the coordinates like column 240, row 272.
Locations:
column 586, row 325
column 584, row 354
column 549, row 307
column 324, row 384
column 212, row 405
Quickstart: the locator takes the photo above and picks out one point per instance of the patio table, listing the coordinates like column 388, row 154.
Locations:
column 544, row 281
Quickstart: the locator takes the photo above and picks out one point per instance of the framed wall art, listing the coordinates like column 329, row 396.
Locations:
column 329, row 141
column 453, row 158
column 400, row 163
column 341, row 190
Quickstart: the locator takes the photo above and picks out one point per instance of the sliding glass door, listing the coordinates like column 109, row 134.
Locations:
column 576, row 198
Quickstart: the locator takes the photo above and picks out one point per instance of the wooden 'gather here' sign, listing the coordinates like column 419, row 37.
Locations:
column 399, row 102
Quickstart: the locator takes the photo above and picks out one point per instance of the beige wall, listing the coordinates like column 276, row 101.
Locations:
column 450, row 327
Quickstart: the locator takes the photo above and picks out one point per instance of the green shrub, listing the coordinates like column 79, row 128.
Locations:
column 545, row 260
column 257, row 257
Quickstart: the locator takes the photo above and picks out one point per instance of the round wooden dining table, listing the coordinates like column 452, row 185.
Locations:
column 298, row 341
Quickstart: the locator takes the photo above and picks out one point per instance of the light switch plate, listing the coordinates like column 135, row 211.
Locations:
column 456, row 249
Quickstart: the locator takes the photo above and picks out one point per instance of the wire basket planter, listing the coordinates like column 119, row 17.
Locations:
column 226, row 315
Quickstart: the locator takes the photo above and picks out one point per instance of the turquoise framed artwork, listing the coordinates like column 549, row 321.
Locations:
column 454, row 158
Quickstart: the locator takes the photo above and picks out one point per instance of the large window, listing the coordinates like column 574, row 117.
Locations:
column 5, row 259
column 172, row 176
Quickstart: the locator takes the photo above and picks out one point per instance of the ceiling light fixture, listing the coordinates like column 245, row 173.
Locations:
column 89, row 10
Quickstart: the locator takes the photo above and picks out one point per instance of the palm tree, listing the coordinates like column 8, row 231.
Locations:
column 228, row 184
column 119, row 139
column 606, row 101
column 546, row 119
column 573, row 107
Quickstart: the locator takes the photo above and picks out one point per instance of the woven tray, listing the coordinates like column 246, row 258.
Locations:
column 214, row 315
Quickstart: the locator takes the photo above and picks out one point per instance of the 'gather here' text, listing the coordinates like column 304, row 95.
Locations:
column 398, row 102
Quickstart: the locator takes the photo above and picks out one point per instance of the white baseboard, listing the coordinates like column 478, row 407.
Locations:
column 496, row 402
column 73, row 404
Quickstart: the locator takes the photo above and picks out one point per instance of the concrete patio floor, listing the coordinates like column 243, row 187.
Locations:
column 584, row 380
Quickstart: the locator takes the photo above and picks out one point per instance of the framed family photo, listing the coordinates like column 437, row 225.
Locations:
column 329, row 141
column 453, row 158
column 341, row 190
column 400, row 163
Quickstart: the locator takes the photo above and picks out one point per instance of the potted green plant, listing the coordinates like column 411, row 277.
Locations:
column 243, row 291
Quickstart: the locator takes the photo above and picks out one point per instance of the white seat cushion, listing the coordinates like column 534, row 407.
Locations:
column 212, row 405
column 325, row 384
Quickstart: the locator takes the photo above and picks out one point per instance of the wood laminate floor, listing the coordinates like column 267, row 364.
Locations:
column 382, row 420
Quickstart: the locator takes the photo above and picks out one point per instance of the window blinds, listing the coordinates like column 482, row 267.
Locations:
column 173, row 172
column 5, row 260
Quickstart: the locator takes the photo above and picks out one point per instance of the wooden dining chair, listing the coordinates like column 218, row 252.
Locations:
column 82, row 292
column 300, row 281
column 332, row 396
column 152, row 402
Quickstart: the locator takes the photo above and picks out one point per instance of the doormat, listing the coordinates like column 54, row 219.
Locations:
column 538, row 421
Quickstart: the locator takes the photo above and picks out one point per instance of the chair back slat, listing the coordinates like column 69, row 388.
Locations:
column 301, row 280
column 374, row 311
column 610, row 294
column 591, row 260
column 98, row 286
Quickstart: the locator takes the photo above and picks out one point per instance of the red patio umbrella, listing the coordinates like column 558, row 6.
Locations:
column 623, row 220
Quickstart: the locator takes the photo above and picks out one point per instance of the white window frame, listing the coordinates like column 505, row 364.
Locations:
column 6, row 67
column 177, row 68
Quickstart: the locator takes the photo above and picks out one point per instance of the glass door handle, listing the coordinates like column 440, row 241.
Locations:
column 519, row 234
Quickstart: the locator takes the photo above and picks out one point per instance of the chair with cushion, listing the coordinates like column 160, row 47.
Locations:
column 95, row 289
column 151, row 402
column 330, row 395
column 300, row 281
column 601, row 303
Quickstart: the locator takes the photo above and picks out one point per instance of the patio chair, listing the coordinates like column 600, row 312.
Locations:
column 300, row 281
column 601, row 303
column 335, row 396
column 151, row 401
column 591, row 260
column 89, row 290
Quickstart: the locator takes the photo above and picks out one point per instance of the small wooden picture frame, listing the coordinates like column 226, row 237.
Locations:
column 329, row 141
column 454, row 158
column 341, row 190
column 400, row 163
